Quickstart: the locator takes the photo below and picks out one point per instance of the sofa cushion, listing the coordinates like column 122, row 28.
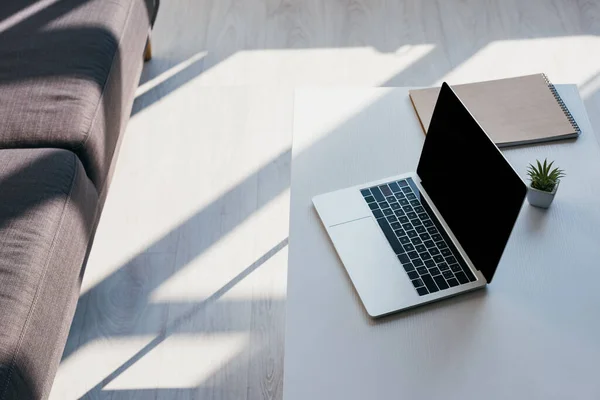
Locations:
column 68, row 74
column 47, row 213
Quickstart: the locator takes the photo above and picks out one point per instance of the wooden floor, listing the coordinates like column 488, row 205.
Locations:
column 184, row 294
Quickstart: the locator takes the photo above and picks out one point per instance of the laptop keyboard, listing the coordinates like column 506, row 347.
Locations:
column 427, row 254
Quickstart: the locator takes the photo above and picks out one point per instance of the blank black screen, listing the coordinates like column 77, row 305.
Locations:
column 475, row 189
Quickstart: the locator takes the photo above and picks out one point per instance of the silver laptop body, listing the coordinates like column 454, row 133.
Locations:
column 373, row 266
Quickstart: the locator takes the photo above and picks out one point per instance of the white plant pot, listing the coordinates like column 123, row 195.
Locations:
column 539, row 198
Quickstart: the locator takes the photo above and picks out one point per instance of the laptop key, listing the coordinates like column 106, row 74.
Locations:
column 417, row 262
column 428, row 223
column 413, row 254
column 406, row 190
column 411, row 214
column 369, row 199
column 443, row 267
column 417, row 282
column 385, row 190
column 411, row 196
column 365, row 192
column 436, row 237
column 413, row 275
column 391, row 199
column 442, row 245
column 422, row 291
column 378, row 214
column 425, row 256
column 462, row 278
column 434, row 251
column 438, row 258
column 395, row 225
column 403, row 258
column 404, row 239
column 394, row 186
column 446, row 252
column 408, row 267
column 421, row 229
column 407, row 208
column 400, row 232
column 452, row 282
column 429, row 243
column 434, row 271
column 400, row 195
column 387, row 212
column 441, row 282
column 409, row 247
column 416, row 240
column 455, row 268
column 450, row 260
column 391, row 237
column 383, row 204
column 403, row 202
column 373, row 206
column 407, row 226
column 392, row 218
column 395, row 206
column 429, row 283
column 417, row 222
column 420, row 248
column 448, row 274
column 415, row 203
column 403, row 220
column 422, row 270
column 469, row 274
column 402, row 183
column 411, row 234
column 399, row 213
column 419, row 210
column 377, row 194
column 432, row 230
column 430, row 263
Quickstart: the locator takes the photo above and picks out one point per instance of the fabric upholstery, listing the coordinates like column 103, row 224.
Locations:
column 68, row 74
column 47, row 212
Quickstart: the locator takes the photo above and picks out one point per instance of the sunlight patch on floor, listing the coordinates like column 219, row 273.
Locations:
column 230, row 256
column 167, row 178
column 558, row 57
column 314, row 67
column 98, row 359
column 194, row 358
column 170, row 73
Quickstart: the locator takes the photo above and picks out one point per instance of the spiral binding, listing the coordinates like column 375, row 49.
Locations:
column 562, row 105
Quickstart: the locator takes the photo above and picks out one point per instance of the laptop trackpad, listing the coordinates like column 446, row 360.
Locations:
column 372, row 265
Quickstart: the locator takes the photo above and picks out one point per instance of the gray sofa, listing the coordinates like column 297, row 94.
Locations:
column 68, row 74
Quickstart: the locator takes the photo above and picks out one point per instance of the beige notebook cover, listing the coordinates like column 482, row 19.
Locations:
column 512, row 111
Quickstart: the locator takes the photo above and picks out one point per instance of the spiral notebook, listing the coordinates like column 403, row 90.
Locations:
column 513, row 111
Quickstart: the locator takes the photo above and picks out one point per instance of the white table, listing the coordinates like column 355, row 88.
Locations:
column 534, row 333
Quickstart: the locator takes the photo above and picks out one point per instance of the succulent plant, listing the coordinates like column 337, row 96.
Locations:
column 543, row 176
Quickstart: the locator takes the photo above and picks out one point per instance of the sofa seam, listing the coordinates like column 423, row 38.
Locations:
column 112, row 64
column 88, row 243
column 42, row 280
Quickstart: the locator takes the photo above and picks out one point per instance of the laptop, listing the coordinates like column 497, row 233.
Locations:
column 424, row 236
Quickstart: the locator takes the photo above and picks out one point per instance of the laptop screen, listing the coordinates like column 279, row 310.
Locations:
column 470, row 182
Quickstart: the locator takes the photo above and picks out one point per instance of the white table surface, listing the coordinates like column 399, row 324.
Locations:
column 534, row 333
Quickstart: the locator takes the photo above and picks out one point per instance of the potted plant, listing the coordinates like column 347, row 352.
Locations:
column 544, row 183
